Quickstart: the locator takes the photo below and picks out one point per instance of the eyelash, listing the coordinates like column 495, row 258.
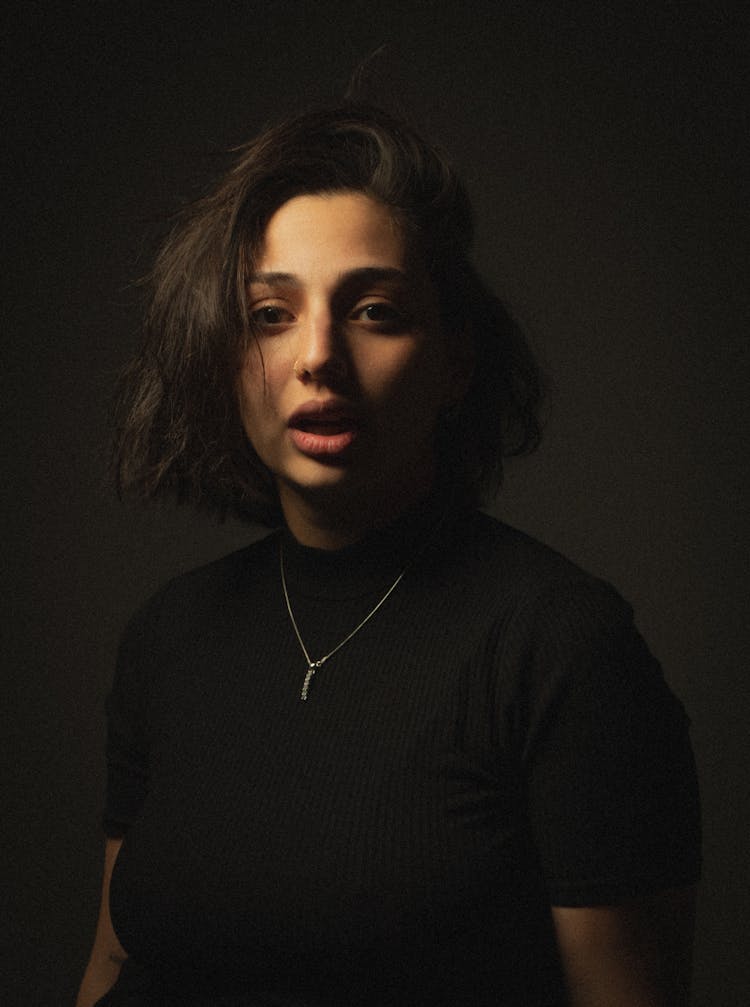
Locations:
column 392, row 314
column 259, row 316
column 392, row 320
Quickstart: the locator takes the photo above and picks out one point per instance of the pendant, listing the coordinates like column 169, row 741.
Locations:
column 312, row 668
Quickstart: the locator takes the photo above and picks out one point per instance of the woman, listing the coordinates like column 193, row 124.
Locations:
column 395, row 753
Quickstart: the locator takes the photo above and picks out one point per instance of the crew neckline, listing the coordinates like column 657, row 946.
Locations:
column 371, row 562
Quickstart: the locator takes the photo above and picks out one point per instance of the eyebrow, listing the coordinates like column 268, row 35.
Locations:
column 363, row 274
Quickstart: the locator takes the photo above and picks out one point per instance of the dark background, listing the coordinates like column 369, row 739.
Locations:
column 602, row 145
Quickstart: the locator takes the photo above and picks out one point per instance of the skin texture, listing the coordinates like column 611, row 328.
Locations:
column 107, row 954
column 341, row 314
column 635, row 954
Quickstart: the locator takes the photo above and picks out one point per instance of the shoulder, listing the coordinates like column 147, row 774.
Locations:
column 531, row 581
column 232, row 571
column 486, row 539
column 555, row 635
column 560, row 613
column 533, row 620
column 205, row 589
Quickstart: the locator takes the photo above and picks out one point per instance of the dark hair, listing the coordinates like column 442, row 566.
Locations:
column 178, row 424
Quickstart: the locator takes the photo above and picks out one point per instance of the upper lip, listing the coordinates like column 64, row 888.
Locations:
column 323, row 410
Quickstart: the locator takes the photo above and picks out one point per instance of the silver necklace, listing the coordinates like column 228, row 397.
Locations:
column 312, row 666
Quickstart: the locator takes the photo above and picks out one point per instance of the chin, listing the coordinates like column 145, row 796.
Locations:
column 313, row 476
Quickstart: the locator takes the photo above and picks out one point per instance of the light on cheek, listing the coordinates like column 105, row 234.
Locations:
column 253, row 366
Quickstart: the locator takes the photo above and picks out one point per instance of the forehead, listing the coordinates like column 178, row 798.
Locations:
column 331, row 228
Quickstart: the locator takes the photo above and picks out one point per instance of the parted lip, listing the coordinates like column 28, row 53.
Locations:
column 323, row 411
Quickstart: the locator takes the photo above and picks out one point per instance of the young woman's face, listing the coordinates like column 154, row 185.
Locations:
column 340, row 392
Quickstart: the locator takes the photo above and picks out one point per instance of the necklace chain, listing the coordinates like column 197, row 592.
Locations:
column 312, row 666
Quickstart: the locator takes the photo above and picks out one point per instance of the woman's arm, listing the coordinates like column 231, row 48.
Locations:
column 107, row 954
column 636, row 954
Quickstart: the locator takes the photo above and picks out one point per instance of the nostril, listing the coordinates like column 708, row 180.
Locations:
column 332, row 366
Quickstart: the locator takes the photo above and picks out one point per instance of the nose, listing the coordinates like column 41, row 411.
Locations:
column 320, row 353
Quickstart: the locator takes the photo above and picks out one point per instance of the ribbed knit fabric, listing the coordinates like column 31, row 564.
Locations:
column 496, row 739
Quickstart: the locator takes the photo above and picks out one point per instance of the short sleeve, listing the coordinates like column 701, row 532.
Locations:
column 127, row 745
column 610, row 777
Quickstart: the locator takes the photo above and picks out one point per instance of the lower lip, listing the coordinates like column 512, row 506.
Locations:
column 317, row 445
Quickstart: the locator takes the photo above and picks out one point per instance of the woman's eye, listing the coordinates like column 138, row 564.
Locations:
column 383, row 314
column 270, row 315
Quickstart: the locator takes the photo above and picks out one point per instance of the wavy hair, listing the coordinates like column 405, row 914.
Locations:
column 178, row 427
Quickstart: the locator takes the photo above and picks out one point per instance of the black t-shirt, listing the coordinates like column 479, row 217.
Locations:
column 495, row 740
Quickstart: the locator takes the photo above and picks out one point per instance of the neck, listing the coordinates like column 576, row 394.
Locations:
column 333, row 520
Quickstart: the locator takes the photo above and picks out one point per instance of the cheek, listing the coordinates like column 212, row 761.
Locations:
column 412, row 395
column 419, row 378
column 251, row 393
